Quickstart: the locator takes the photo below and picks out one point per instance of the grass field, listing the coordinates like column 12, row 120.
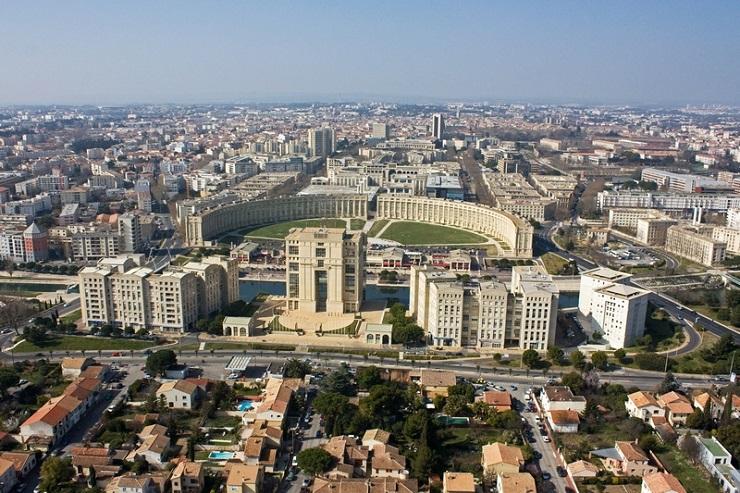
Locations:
column 72, row 317
column 356, row 224
column 412, row 233
column 376, row 227
column 693, row 478
column 279, row 230
column 554, row 263
column 79, row 343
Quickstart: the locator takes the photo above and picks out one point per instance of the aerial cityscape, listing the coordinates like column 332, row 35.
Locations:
column 503, row 260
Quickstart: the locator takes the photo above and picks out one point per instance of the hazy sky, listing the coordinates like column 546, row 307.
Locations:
column 118, row 51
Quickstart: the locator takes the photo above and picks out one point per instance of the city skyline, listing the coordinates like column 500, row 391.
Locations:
column 639, row 53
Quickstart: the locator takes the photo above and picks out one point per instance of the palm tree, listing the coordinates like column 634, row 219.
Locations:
column 212, row 352
column 100, row 353
column 131, row 352
column 51, row 353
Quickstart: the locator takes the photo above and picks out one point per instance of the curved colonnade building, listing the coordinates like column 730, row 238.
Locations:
column 512, row 233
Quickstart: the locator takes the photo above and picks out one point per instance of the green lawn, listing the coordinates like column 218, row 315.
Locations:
column 72, row 317
column 412, row 233
column 693, row 478
column 554, row 263
column 79, row 343
column 356, row 224
column 376, row 227
column 236, row 346
column 280, row 230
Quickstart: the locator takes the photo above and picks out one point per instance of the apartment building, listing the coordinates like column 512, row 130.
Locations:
column 653, row 230
column 733, row 218
column 325, row 270
column 485, row 314
column 695, row 246
column 558, row 187
column 682, row 182
column 30, row 244
column 627, row 218
column 729, row 236
column 720, row 202
column 117, row 291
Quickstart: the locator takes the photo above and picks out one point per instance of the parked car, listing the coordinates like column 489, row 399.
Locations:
column 546, row 476
column 562, row 472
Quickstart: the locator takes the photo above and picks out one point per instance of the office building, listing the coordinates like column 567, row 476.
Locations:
column 593, row 280
column 485, row 314
column 618, row 312
column 321, row 141
column 438, row 126
column 119, row 292
column 325, row 270
column 695, row 246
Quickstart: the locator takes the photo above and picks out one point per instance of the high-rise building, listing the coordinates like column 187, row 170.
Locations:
column 380, row 131
column 36, row 243
column 321, row 141
column 485, row 314
column 438, row 126
column 119, row 292
column 325, row 270
column 129, row 227
column 143, row 195
column 617, row 311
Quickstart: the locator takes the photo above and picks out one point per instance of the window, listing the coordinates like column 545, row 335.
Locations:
column 321, row 252
column 293, row 267
column 292, row 249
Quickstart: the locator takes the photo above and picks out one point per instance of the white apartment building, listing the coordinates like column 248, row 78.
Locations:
column 695, row 246
column 325, row 270
column 619, row 312
column 120, row 293
column 627, row 218
column 733, row 218
column 595, row 279
column 616, row 310
column 321, row 141
column 129, row 227
column 485, row 314
column 729, row 236
column 664, row 200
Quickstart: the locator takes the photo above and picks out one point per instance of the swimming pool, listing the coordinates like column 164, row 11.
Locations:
column 221, row 455
column 245, row 405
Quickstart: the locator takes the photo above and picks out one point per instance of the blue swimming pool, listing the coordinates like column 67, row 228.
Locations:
column 245, row 405
column 221, row 455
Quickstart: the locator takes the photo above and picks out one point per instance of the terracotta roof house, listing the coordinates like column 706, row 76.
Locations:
column 500, row 401
column 625, row 459
column 23, row 462
column 376, row 436
column 677, row 408
column 643, row 406
column 582, row 469
column 518, row 482
column 561, row 398
column 180, row 394
column 458, row 482
column 661, row 482
column 244, row 478
column 8, row 476
column 365, row 485
column 499, row 458
column 564, row 421
column 387, row 461
column 187, row 477
column 72, row 367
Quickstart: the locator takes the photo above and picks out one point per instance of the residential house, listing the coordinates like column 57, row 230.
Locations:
column 661, row 482
column 187, row 477
column 458, row 482
column 153, row 450
column 718, row 461
column 625, row 459
column 352, row 458
column 374, row 437
column 500, row 401
column 85, row 458
column 434, row 382
column 257, row 451
column 677, row 408
column 132, row 483
column 563, row 421
column 582, row 469
column 642, row 405
column 363, row 485
column 499, row 458
column 23, row 462
column 516, row 482
column 704, row 399
column 73, row 367
column 276, row 399
column 180, row 394
column 387, row 461
column 8, row 476
column 244, row 478
column 152, row 430
column 558, row 398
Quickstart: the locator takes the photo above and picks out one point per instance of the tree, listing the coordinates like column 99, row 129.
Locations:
column 649, row 443
column 555, row 354
column 8, row 378
column 729, row 435
column 407, row 333
column 696, row 420
column 422, row 463
column 159, row 361
column 339, row 381
column 574, row 381
column 295, row 368
column 315, row 461
column 690, row 447
column 669, row 384
column 14, row 312
column 600, row 360
column 456, row 405
column 368, row 377
column 531, row 358
column 466, row 390
column 578, row 359
column 55, row 474
column 620, row 354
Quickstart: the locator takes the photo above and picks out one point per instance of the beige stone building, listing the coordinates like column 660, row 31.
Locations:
column 325, row 270
column 485, row 314
column 120, row 293
column 729, row 236
column 653, row 230
column 695, row 246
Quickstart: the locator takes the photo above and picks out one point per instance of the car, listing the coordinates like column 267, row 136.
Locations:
column 537, row 455
column 561, row 471
column 291, row 477
column 116, row 354
column 546, row 476
column 306, row 483
column 294, row 462
column 514, row 387
column 319, row 434
column 546, row 439
column 531, row 439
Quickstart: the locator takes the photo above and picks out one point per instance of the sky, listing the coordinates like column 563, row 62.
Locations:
column 188, row 51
